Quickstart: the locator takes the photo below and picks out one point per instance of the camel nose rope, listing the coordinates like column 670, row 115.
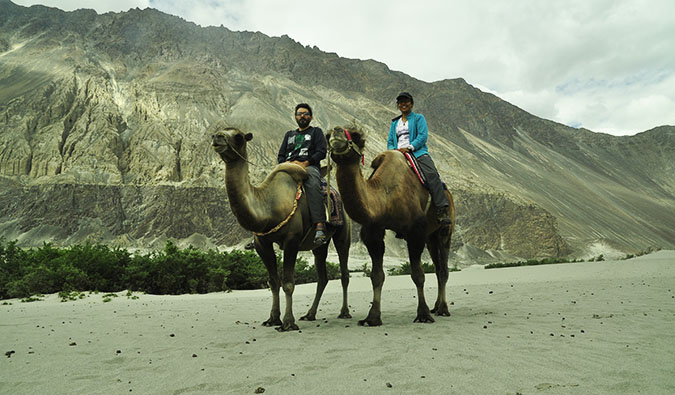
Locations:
column 350, row 147
column 238, row 154
column 288, row 218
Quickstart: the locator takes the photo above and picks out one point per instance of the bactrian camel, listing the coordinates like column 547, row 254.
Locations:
column 261, row 209
column 392, row 198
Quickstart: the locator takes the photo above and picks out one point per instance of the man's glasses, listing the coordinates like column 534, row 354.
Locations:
column 302, row 114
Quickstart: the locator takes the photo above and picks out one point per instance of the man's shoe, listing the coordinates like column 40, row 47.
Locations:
column 250, row 245
column 319, row 237
column 443, row 216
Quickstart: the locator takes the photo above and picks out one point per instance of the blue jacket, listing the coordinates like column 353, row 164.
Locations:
column 418, row 134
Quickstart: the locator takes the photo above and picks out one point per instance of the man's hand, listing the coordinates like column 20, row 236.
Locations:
column 403, row 150
column 303, row 164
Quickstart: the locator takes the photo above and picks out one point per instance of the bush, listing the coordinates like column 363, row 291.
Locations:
column 246, row 270
column 531, row 262
column 170, row 271
column 175, row 271
column 406, row 269
column 304, row 273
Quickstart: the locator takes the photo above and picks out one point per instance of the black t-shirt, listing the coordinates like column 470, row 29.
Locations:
column 310, row 144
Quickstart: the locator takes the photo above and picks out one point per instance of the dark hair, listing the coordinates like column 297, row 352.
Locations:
column 304, row 105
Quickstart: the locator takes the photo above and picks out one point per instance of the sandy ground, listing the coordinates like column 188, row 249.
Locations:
column 582, row 328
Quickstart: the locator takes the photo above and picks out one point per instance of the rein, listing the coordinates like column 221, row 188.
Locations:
column 238, row 154
column 288, row 218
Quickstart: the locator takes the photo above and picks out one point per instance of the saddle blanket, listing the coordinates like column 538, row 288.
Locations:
column 412, row 162
column 336, row 215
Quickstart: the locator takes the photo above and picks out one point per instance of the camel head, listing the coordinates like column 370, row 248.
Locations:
column 229, row 143
column 346, row 143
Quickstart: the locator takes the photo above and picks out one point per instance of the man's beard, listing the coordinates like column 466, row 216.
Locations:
column 303, row 122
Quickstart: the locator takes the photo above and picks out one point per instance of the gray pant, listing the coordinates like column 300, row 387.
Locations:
column 436, row 190
column 317, row 212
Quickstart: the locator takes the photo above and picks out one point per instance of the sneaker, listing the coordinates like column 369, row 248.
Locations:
column 443, row 216
column 250, row 245
column 319, row 237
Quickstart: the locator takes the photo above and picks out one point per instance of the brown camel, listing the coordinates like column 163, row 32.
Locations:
column 264, row 208
column 391, row 198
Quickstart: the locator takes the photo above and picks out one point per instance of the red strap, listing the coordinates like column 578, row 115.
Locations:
column 349, row 138
column 410, row 161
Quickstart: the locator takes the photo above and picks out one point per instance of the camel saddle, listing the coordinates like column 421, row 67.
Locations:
column 415, row 167
column 336, row 215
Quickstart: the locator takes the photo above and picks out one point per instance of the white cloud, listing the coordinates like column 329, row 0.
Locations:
column 602, row 64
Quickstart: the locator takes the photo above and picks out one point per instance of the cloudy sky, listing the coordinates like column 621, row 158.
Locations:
column 606, row 65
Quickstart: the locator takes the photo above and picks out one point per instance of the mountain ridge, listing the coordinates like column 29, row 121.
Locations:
column 124, row 99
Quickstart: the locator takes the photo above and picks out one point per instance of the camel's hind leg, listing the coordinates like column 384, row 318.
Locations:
column 438, row 245
column 342, row 240
column 415, row 248
column 266, row 253
column 374, row 241
column 320, row 254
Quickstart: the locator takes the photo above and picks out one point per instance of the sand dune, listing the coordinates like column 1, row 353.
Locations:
column 582, row 328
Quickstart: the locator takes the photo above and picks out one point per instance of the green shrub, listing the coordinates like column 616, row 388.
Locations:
column 104, row 268
column 304, row 273
column 529, row 262
column 246, row 270
column 406, row 269
column 97, row 267
column 367, row 271
column 176, row 271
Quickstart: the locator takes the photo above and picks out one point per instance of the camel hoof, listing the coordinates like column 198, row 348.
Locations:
column 370, row 322
column 272, row 322
column 345, row 315
column 308, row 317
column 442, row 311
column 287, row 328
column 425, row 319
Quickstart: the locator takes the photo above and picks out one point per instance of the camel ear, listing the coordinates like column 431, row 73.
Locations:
column 248, row 136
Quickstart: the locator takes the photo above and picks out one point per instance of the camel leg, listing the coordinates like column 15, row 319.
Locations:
column 374, row 241
column 342, row 241
column 415, row 249
column 438, row 245
column 288, row 285
column 320, row 254
column 266, row 253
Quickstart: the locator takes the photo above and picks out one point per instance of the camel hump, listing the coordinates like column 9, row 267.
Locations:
column 387, row 156
column 297, row 172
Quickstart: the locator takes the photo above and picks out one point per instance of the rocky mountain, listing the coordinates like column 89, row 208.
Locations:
column 103, row 136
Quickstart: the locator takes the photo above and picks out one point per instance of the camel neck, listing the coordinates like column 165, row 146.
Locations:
column 355, row 192
column 244, row 203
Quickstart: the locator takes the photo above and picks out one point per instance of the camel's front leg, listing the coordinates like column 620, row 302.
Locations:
column 342, row 241
column 374, row 241
column 266, row 253
column 288, row 285
column 320, row 254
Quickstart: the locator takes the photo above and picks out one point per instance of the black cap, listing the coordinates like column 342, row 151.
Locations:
column 404, row 95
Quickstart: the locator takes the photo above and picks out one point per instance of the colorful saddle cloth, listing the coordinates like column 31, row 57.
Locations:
column 415, row 167
column 336, row 215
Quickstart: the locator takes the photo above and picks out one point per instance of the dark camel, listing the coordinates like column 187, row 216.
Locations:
column 260, row 209
column 392, row 198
